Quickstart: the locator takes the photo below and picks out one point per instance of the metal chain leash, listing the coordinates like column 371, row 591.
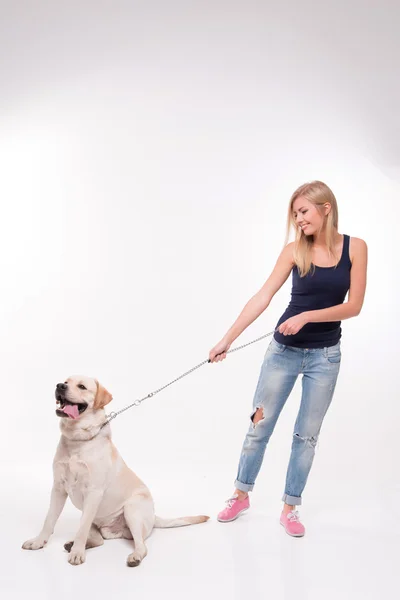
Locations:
column 113, row 414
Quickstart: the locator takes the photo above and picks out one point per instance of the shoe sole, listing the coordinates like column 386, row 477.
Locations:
column 292, row 534
column 234, row 518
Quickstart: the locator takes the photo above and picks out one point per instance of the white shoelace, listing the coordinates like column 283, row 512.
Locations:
column 293, row 516
column 230, row 501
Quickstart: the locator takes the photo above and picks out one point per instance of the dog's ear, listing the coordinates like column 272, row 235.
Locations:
column 102, row 397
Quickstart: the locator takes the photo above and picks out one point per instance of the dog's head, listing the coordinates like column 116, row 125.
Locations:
column 79, row 394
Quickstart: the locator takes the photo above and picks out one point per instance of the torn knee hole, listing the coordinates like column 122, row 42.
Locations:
column 310, row 440
column 257, row 416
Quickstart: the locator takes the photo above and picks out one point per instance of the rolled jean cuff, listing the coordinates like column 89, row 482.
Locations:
column 291, row 500
column 244, row 487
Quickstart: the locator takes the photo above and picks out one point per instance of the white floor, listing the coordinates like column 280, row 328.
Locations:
column 351, row 549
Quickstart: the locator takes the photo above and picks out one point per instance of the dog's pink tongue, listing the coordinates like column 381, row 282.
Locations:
column 71, row 410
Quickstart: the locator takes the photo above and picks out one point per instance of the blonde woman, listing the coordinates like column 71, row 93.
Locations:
column 325, row 265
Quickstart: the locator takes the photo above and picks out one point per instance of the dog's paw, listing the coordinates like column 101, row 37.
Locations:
column 34, row 544
column 68, row 546
column 77, row 556
column 133, row 560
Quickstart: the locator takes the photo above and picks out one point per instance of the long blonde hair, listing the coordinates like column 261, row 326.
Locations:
column 318, row 193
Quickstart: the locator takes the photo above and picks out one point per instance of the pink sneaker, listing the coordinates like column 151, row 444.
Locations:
column 292, row 525
column 234, row 508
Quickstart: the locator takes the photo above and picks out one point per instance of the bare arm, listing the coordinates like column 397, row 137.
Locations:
column 261, row 300
column 358, row 283
column 351, row 308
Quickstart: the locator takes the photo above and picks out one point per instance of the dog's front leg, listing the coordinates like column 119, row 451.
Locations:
column 90, row 506
column 57, row 502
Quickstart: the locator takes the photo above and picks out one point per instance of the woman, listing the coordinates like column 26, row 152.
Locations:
column 325, row 265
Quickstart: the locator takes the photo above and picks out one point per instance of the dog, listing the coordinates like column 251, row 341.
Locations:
column 88, row 468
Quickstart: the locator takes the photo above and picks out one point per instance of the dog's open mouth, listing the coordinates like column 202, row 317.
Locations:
column 70, row 409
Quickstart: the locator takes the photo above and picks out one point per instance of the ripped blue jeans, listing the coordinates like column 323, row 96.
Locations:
column 280, row 368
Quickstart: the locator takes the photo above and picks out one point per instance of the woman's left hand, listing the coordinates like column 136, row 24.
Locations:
column 293, row 325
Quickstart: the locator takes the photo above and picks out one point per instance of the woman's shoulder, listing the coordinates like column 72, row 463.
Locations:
column 357, row 243
column 288, row 251
column 357, row 247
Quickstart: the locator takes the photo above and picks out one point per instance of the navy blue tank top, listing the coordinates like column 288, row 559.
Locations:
column 321, row 288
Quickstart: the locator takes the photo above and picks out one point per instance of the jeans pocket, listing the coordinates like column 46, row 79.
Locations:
column 276, row 347
column 333, row 354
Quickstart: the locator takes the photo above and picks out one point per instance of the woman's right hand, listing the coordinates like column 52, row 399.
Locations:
column 219, row 351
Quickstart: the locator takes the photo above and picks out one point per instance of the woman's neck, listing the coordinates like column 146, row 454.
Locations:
column 319, row 241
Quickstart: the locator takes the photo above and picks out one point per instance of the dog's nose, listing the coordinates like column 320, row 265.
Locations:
column 62, row 387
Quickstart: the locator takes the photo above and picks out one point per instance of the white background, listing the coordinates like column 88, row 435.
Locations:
column 148, row 152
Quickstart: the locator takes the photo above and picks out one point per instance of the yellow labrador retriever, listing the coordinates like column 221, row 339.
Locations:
column 87, row 467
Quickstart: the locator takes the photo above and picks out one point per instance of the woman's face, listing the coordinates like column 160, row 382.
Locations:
column 307, row 216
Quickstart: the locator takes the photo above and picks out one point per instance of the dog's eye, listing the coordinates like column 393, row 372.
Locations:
column 81, row 386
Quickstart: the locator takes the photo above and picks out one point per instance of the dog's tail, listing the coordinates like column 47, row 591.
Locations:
column 179, row 522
